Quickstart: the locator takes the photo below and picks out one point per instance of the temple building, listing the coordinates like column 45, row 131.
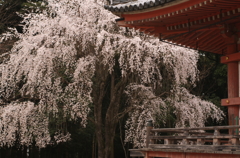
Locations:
column 206, row 25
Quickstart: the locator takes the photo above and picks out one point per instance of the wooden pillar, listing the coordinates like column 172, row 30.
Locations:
column 231, row 33
column 233, row 78
column 233, row 91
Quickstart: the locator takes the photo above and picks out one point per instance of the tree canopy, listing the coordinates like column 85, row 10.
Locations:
column 74, row 60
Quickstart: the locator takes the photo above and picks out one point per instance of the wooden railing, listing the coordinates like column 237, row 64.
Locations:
column 204, row 138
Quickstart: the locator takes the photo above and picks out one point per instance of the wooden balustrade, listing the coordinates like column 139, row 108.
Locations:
column 205, row 138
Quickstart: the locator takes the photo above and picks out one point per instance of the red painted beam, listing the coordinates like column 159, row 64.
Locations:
column 230, row 101
column 151, row 154
column 166, row 154
column 230, row 58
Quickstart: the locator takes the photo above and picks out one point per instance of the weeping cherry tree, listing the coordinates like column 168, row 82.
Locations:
column 73, row 59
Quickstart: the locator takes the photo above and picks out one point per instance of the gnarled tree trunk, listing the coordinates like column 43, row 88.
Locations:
column 106, row 120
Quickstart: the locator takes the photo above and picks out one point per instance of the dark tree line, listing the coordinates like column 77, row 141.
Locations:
column 9, row 16
column 212, row 84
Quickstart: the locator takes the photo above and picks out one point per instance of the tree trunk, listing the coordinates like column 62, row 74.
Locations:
column 106, row 123
column 99, row 132
column 98, row 95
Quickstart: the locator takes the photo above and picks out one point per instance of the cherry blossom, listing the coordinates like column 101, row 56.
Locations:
column 51, row 68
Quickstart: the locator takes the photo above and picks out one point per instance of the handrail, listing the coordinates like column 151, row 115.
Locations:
column 194, row 128
column 196, row 135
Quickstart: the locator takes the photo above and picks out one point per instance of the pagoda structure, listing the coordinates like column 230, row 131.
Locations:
column 207, row 25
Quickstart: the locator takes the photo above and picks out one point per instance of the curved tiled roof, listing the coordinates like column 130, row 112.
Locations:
column 137, row 5
column 197, row 24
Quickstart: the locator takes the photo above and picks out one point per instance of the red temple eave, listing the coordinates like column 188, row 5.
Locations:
column 184, row 11
column 208, row 25
column 172, row 8
column 187, row 23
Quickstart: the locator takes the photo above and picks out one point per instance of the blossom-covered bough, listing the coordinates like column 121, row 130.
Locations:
column 72, row 56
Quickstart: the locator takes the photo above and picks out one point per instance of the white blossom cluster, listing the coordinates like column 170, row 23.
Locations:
column 24, row 122
column 191, row 110
column 12, row 33
column 50, row 70
column 146, row 105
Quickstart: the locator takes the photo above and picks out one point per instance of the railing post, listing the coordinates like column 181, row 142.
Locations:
column 235, row 141
column 168, row 141
column 149, row 133
column 216, row 132
column 200, row 142
column 185, row 141
column 215, row 140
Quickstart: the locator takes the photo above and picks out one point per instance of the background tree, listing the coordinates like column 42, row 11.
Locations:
column 11, row 16
column 73, row 60
column 9, row 19
column 212, row 83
